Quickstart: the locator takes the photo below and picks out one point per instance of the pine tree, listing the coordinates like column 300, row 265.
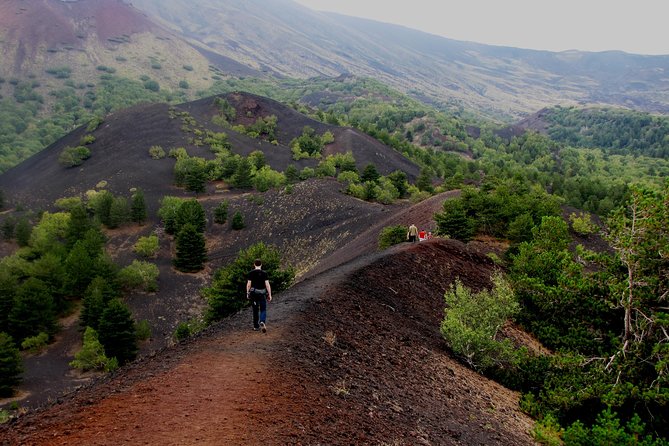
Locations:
column 23, row 231
column 454, row 221
column 292, row 175
column 424, row 181
column 79, row 269
column 78, row 225
column 8, row 285
column 369, row 174
column 237, row 221
column 221, row 212
column 191, row 249
column 92, row 354
column 243, row 177
column 196, row 179
column 117, row 332
column 119, row 212
column 8, row 226
column 192, row 212
column 94, row 303
column 138, row 207
column 33, row 310
column 10, row 365
column 102, row 207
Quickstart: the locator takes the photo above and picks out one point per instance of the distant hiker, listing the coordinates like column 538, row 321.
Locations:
column 421, row 235
column 259, row 292
column 412, row 233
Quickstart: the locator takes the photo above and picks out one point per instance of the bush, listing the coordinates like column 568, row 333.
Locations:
column 74, row 156
column 237, row 221
column 143, row 330
column 473, row 321
column 117, row 332
column 221, row 212
column 147, row 246
column 392, row 235
column 582, row 223
column 266, row 178
column 187, row 329
column 227, row 293
column 139, row 275
column 157, row 152
column 191, row 251
column 184, row 85
column 35, row 344
column 87, row 139
column 92, row 354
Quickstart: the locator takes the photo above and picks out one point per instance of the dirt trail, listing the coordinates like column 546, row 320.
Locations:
column 381, row 376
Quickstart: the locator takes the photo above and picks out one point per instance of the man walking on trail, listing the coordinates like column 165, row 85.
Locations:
column 412, row 233
column 260, row 293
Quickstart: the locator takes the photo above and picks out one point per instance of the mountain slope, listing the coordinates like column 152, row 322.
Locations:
column 352, row 356
column 288, row 39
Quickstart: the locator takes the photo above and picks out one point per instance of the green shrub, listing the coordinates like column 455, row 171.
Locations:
column 348, row 177
column 191, row 251
column 548, row 431
column 306, row 173
column 188, row 67
column 184, row 85
column 68, row 203
column 94, row 123
column 392, row 235
column 237, row 221
column 139, row 275
column 582, row 223
column 35, row 344
column 74, row 156
column 117, row 332
column 187, row 329
column 143, row 330
column 92, row 354
column 178, row 153
column 221, row 212
column 266, row 178
column 87, row 139
column 156, row 152
column 147, row 246
column 152, row 85
column 473, row 321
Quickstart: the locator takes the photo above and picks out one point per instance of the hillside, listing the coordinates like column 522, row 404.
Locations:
column 287, row 39
column 307, row 225
column 332, row 369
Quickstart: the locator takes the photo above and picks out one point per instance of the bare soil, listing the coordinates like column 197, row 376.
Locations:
column 352, row 356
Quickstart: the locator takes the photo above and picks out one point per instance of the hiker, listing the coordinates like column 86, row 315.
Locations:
column 421, row 235
column 259, row 292
column 412, row 233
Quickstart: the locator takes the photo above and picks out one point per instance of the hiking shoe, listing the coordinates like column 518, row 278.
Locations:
column 263, row 327
column 256, row 328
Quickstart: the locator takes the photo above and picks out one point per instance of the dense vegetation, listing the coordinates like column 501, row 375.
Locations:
column 617, row 131
column 608, row 369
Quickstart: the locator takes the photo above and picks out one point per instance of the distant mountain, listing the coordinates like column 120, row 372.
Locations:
column 285, row 38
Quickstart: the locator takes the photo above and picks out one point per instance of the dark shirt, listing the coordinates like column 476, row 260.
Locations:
column 257, row 278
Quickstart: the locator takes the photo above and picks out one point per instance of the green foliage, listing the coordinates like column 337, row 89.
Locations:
column 228, row 112
column 399, row 180
column 92, row 354
column 257, row 159
column 74, row 156
column 243, row 177
column 221, row 212
column 33, row 310
column 119, row 212
column 308, row 144
column 191, row 251
column 152, row 85
column 191, row 173
column 184, row 84
column 169, row 208
column 143, row 330
column 62, row 72
column 101, row 203
column 369, row 174
column 191, row 212
column 266, row 178
column 138, row 212
column 392, row 235
column 10, row 365
column 227, row 293
column 617, row 131
column 608, row 430
column 87, row 139
column 139, row 275
column 117, row 332
column 237, row 221
column 548, row 431
column 147, row 246
column 454, row 221
column 23, row 232
column 582, row 223
column 189, row 328
column 35, row 344
column 473, row 321
column 157, row 152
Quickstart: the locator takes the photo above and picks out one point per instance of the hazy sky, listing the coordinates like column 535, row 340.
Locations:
column 634, row 26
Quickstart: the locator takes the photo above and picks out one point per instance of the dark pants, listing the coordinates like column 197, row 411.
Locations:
column 412, row 238
column 259, row 305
